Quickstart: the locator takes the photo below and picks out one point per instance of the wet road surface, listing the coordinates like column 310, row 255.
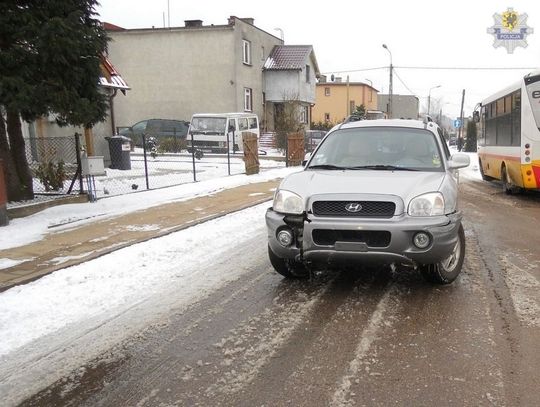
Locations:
column 356, row 337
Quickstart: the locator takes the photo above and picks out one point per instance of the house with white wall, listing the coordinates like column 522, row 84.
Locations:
column 178, row 71
column 290, row 75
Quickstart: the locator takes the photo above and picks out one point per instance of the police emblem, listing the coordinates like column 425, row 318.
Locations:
column 510, row 30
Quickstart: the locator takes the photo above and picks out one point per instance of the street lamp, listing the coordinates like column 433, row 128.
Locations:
column 429, row 97
column 390, row 85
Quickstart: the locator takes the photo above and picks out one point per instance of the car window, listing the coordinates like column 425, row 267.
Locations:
column 381, row 146
column 243, row 124
column 253, row 123
column 140, row 127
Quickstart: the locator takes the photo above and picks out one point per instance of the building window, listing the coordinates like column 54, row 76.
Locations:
column 327, row 117
column 248, row 101
column 308, row 76
column 246, row 54
column 327, row 91
column 303, row 114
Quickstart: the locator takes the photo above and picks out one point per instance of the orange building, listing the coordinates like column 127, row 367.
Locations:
column 337, row 100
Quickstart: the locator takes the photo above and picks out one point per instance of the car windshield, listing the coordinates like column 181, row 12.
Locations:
column 378, row 148
column 208, row 125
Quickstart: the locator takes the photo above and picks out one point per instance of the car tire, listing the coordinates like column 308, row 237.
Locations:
column 447, row 270
column 287, row 268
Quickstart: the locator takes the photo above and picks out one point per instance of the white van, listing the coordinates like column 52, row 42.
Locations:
column 210, row 131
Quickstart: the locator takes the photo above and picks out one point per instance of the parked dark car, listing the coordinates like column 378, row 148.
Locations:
column 160, row 129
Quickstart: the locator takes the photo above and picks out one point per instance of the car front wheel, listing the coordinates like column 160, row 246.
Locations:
column 287, row 268
column 447, row 270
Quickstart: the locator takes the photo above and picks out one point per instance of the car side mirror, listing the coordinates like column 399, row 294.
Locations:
column 458, row 160
column 306, row 159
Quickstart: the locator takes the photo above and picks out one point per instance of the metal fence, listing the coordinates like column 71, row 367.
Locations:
column 55, row 165
column 53, row 162
column 153, row 163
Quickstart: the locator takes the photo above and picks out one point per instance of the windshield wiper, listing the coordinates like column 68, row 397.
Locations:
column 327, row 167
column 381, row 167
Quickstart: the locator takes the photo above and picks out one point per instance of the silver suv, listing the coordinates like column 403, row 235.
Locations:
column 374, row 191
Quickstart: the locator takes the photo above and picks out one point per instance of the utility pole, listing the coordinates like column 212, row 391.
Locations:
column 390, row 91
column 390, row 87
column 348, row 105
column 460, row 139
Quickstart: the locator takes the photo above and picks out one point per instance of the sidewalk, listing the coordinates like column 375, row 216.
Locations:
column 74, row 246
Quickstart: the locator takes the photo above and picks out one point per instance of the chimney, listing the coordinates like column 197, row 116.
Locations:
column 193, row 23
column 231, row 19
column 249, row 20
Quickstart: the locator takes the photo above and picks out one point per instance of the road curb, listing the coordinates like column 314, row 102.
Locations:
column 94, row 255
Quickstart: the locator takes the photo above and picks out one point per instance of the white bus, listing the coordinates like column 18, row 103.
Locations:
column 215, row 132
column 509, row 135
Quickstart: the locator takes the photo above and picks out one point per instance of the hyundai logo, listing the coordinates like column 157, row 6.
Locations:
column 353, row 207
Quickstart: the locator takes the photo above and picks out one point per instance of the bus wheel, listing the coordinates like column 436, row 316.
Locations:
column 507, row 186
column 484, row 176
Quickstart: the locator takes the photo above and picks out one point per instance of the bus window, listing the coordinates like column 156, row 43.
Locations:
column 516, row 118
column 533, row 91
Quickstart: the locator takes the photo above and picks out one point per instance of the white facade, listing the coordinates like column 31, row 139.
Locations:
column 176, row 72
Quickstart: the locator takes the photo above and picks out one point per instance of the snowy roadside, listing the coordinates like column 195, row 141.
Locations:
column 33, row 228
column 102, row 288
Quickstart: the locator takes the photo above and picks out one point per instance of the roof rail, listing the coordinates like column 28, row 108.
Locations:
column 353, row 118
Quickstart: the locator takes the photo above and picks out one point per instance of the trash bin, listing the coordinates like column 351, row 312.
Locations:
column 120, row 151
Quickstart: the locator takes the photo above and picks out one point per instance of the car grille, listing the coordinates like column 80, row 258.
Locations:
column 375, row 209
column 372, row 238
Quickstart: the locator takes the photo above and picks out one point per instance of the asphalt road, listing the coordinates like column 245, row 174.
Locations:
column 357, row 337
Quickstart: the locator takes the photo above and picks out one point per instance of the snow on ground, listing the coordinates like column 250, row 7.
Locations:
column 32, row 228
column 101, row 288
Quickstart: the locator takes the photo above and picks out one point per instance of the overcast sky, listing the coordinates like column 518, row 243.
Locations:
column 347, row 37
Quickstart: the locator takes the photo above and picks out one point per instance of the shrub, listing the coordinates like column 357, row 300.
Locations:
column 470, row 142
column 171, row 145
column 51, row 175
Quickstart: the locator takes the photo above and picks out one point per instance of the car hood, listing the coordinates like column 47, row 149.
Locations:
column 404, row 184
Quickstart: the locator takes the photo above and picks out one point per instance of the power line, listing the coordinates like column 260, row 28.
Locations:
column 462, row 68
column 403, row 83
column 468, row 68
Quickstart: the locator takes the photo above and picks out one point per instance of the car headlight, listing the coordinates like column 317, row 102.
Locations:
column 431, row 204
column 288, row 202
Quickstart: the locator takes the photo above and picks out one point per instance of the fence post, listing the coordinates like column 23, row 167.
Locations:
column 286, row 149
column 145, row 161
column 79, row 162
column 229, row 152
column 193, row 157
